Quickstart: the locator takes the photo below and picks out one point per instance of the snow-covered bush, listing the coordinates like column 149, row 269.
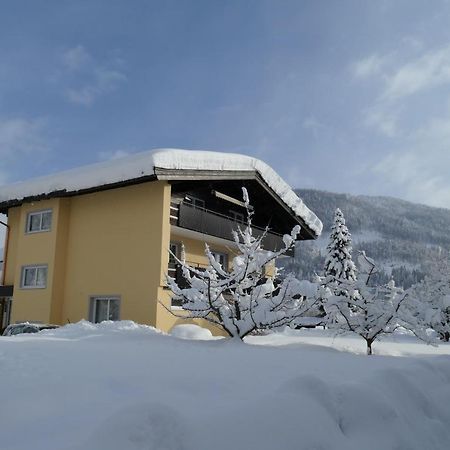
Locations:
column 243, row 299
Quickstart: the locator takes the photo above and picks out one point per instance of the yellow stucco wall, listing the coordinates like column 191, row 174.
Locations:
column 31, row 249
column 108, row 243
column 114, row 248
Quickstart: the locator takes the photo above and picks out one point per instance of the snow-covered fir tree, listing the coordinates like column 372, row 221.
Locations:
column 339, row 265
column 243, row 299
column 371, row 312
column 339, row 268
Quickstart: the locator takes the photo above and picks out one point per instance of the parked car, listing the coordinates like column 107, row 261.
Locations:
column 20, row 328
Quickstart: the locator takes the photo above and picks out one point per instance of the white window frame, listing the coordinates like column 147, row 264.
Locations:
column 93, row 305
column 38, row 213
column 36, row 267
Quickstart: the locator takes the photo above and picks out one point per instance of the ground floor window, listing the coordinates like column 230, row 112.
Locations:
column 104, row 308
column 221, row 258
column 174, row 269
column 174, row 253
column 5, row 311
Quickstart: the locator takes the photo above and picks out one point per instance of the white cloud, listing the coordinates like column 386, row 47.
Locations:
column 421, row 171
column 21, row 136
column 425, row 72
column 369, row 66
column 3, row 178
column 89, row 78
column 384, row 119
column 111, row 155
column 75, row 58
column 413, row 43
column 104, row 81
column 313, row 125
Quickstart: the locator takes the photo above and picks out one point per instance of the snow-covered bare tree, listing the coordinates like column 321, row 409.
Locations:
column 243, row 299
column 371, row 312
column 433, row 296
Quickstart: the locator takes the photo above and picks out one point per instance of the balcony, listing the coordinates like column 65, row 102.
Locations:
column 216, row 224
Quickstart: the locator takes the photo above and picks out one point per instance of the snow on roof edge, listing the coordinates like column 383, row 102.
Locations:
column 143, row 164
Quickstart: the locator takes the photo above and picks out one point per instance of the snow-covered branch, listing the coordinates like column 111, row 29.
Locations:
column 242, row 299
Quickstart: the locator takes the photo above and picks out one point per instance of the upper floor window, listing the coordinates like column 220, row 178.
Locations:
column 39, row 221
column 221, row 258
column 34, row 277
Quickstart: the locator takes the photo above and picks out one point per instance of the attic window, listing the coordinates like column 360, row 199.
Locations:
column 39, row 221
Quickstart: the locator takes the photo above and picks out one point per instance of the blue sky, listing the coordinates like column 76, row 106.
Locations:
column 347, row 96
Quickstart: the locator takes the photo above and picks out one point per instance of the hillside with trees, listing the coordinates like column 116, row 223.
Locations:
column 404, row 238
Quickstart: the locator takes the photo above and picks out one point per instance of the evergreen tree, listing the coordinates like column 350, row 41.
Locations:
column 339, row 266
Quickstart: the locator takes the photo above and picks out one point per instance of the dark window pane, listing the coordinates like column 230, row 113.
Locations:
column 35, row 222
column 30, row 277
column 46, row 220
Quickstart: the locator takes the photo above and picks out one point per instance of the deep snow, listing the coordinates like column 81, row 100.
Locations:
column 121, row 386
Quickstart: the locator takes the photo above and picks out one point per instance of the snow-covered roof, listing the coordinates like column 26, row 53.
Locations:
column 146, row 164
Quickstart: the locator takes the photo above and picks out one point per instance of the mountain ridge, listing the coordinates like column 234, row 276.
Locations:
column 403, row 237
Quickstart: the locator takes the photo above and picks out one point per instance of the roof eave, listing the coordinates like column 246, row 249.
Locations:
column 4, row 206
column 192, row 174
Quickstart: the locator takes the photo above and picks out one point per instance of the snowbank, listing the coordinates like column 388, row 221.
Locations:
column 128, row 387
column 191, row 331
column 143, row 164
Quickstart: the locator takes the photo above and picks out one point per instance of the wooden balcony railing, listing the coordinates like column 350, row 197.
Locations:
column 216, row 224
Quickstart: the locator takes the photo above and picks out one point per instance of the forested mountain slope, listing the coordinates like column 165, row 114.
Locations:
column 403, row 237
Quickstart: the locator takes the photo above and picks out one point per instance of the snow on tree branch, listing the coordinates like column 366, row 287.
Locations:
column 243, row 299
column 352, row 305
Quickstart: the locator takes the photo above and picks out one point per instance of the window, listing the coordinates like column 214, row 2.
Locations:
column 221, row 258
column 39, row 221
column 104, row 308
column 175, row 251
column 174, row 268
column 34, row 277
column 5, row 311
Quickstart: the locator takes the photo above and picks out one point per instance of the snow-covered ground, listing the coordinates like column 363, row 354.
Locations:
column 121, row 386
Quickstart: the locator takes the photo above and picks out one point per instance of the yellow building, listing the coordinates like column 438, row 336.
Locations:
column 93, row 243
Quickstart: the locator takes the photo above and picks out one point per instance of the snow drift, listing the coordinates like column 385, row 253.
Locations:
column 122, row 386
